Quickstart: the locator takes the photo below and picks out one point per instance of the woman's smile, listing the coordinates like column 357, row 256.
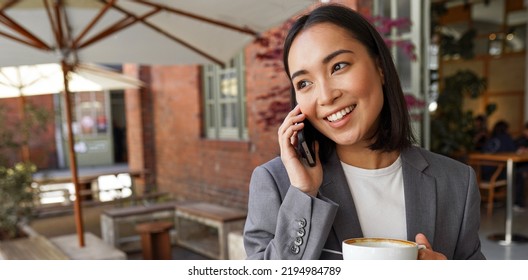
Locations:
column 340, row 117
column 340, row 114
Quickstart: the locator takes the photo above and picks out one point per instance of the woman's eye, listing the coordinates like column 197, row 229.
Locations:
column 339, row 66
column 302, row 84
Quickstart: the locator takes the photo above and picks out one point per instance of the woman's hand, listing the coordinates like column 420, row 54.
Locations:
column 307, row 179
column 427, row 253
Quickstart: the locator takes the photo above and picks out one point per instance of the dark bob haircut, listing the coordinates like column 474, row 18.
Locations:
column 394, row 132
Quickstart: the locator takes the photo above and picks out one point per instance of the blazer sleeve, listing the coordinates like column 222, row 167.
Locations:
column 283, row 222
column 468, row 245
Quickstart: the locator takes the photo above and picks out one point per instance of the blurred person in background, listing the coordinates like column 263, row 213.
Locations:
column 501, row 141
column 480, row 134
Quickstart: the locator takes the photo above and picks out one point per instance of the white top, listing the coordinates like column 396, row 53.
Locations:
column 379, row 198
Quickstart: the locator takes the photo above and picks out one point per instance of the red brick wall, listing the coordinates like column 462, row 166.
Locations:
column 42, row 148
column 140, row 127
column 187, row 164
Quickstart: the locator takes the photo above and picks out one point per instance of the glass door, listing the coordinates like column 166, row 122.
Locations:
column 91, row 119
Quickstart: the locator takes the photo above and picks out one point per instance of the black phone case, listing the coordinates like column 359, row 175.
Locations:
column 305, row 148
column 305, row 138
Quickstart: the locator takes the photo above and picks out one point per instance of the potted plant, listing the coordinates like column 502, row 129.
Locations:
column 16, row 198
column 17, row 195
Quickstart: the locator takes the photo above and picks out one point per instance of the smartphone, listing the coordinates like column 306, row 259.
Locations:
column 305, row 140
column 305, row 147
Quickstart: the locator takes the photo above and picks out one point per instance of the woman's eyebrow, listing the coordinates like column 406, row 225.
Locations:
column 300, row 72
column 334, row 54
column 325, row 60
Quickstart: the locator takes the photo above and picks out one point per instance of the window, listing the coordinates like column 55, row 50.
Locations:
column 402, row 9
column 89, row 114
column 90, row 125
column 225, row 101
column 414, row 80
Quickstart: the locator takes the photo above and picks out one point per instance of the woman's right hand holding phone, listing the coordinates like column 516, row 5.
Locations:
column 307, row 179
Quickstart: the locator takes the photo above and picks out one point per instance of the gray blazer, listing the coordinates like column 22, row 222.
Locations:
column 442, row 201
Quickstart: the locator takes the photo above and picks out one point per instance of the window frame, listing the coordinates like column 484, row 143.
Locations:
column 213, row 101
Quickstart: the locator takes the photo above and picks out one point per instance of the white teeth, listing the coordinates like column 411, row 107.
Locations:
column 339, row 115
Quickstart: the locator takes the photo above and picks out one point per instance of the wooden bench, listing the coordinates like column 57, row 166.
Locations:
column 112, row 219
column 204, row 227
column 31, row 248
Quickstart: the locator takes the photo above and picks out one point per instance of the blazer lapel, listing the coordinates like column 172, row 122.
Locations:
column 335, row 187
column 420, row 195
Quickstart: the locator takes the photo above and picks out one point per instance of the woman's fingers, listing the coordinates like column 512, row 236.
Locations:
column 421, row 239
column 428, row 253
column 288, row 129
column 307, row 179
column 291, row 120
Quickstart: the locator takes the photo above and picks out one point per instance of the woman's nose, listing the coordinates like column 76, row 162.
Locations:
column 328, row 94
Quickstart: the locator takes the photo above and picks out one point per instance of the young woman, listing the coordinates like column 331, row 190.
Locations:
column 369, row 180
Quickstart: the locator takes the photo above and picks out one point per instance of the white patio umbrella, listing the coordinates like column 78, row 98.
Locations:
column 132, row 31
column 135, row 31
column 40, row 79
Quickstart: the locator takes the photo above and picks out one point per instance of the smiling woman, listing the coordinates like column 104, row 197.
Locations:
column 369, row 179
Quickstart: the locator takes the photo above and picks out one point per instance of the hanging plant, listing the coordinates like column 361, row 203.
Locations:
column 385, row 25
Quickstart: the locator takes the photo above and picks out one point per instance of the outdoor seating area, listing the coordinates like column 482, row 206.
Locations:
column 132, row 223
column 198, row 226
column 139, row 229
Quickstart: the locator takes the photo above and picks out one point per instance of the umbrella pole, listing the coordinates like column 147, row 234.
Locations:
column 25, row 146
column 73, row 161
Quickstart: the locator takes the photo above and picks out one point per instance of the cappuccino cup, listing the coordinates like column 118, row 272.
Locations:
column 380, row 249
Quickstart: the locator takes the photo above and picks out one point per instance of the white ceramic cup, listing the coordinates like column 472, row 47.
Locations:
column 380, row 249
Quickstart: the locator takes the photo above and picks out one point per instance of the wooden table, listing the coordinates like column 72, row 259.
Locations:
column 113, row 219
column 511, row 159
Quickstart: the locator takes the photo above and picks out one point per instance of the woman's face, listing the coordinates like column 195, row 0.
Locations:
column 338, row 85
